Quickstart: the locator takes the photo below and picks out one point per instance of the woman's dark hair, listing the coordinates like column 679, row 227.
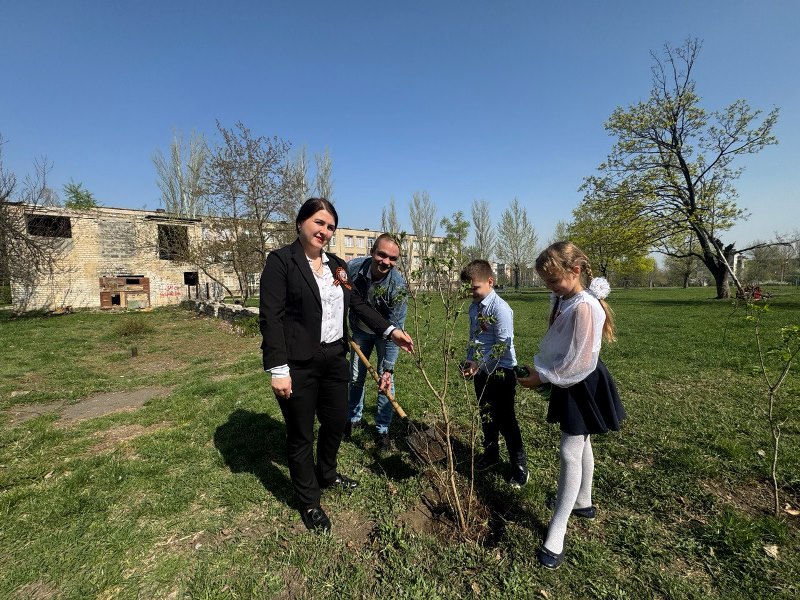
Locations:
column 312, row 206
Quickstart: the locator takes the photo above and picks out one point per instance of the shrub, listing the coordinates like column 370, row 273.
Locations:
column 132, row 327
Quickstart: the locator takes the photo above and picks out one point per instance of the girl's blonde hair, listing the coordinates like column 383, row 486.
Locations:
column 559, row 259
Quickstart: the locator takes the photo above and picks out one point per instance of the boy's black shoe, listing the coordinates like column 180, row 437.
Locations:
column 315, row 519
column 519, row 477
column 485, row 462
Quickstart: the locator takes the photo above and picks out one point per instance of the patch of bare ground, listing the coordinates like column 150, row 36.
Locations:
column 482, row 521
column 353, row 528
column 755, row 499
column 25, row 412
column 419, row 519
column 116, row 436
column 103, row 404
column 87, row 408
column 37, row 590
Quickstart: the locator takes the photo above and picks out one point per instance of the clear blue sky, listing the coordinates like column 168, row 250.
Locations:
column 464, row 99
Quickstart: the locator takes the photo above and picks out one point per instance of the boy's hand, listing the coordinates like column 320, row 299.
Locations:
column 531, row 381
column 469, row 368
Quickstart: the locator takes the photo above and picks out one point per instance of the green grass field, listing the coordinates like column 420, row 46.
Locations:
column 188, row 495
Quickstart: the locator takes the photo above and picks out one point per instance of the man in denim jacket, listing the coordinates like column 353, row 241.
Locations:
column 384, row 288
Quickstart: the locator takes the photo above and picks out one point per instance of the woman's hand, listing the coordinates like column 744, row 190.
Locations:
column 531, row 381
column 282, row 386
column 402, row 339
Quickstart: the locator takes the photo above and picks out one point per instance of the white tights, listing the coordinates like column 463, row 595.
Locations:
column 574, row 486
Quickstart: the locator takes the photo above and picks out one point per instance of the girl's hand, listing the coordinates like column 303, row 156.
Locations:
column 282, row 387
column 531, row 381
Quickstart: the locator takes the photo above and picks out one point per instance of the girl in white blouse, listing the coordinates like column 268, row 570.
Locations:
column 583, row 397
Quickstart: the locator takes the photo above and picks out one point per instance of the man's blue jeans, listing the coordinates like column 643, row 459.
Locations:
column 358, row 374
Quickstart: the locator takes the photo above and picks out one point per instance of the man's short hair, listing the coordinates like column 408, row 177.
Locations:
column 477, row 270
column 384, row 236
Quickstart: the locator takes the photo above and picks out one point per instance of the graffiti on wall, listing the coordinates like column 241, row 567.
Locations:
column 170, row 290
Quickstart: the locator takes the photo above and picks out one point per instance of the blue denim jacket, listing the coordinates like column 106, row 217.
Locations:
column 389, row 297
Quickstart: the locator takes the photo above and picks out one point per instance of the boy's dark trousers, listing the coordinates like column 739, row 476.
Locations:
column 496, row 393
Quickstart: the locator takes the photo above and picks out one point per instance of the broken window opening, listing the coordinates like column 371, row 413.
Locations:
column 48, row 226
column 173, row 242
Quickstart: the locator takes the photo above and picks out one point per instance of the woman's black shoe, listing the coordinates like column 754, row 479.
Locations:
column 315, row 519
column 549, row 560
column 341, row 481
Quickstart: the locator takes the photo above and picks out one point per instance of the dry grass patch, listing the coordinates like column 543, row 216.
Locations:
column 117, row 436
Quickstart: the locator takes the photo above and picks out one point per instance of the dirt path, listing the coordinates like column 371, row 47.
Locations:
column 87, row 408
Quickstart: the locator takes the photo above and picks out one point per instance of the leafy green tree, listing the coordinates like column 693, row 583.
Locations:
column 560, row 233
column 78, row 197
column 516, row 239
column 634, row 270
column 674, row 162
column 456, row 229
column 610, row 233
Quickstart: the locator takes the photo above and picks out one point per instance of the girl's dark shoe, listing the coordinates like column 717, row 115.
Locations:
column 589, row 513
column 548, row 559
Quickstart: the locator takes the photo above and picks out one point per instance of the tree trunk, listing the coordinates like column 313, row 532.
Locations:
column 721, row 277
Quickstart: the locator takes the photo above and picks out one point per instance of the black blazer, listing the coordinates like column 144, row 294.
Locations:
column 290, row 313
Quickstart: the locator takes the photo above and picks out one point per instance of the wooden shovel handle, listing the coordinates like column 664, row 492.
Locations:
column 377, row 378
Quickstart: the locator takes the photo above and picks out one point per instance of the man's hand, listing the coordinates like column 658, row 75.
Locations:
column 282, row 386
column 402, row 339
column 385, row 384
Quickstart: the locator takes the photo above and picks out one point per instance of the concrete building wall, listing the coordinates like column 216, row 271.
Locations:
column 107, row 242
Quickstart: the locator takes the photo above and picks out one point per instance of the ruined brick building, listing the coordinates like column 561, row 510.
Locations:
column 126, row 258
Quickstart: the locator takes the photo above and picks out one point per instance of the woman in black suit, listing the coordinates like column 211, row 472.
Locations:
column 305, row 295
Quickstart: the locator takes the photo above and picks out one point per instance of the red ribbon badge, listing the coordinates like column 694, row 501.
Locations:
column 341, row 277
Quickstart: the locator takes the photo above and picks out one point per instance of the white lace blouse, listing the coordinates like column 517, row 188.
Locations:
column 569, row 350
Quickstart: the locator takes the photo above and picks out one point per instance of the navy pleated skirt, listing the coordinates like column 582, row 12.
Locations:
column 590, row 406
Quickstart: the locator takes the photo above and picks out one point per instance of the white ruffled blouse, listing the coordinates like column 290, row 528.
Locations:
column 569, row 350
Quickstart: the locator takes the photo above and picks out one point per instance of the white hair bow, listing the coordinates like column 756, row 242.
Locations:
column 599, row 287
